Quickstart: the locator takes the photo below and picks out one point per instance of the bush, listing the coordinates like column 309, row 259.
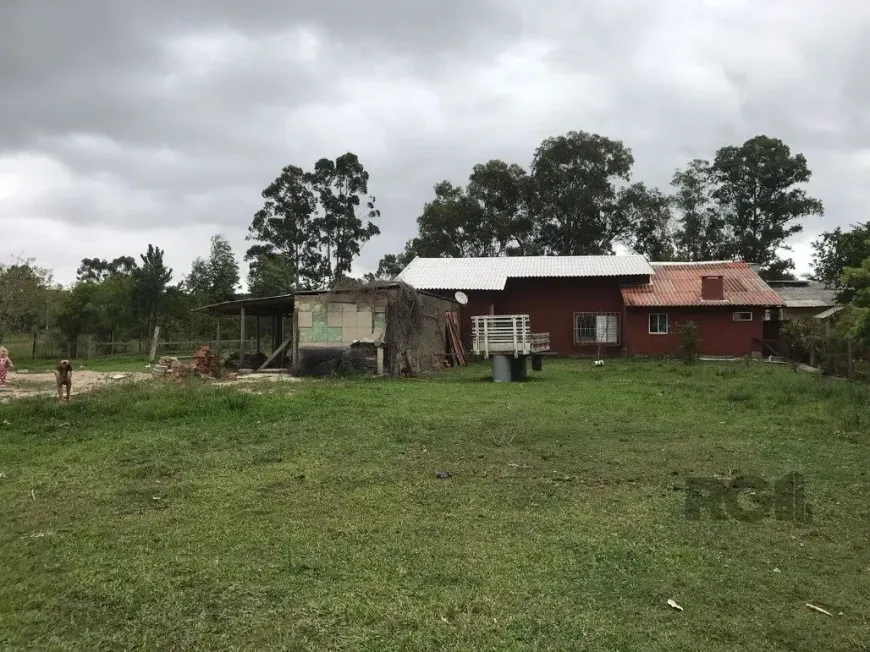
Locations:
column 804, row 339
column 688, row 343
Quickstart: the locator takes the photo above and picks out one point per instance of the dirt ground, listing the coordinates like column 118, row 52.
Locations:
column 21, row 385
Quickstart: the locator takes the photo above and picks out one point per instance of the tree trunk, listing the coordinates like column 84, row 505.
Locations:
column 35, row 338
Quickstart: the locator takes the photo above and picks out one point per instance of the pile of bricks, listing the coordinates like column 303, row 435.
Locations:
column 205, row 362
column 165, row 367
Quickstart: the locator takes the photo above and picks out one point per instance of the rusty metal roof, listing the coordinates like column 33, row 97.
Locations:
column 493, row 273
column 679, row 284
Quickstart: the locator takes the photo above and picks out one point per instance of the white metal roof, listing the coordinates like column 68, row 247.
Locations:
column 493, row 273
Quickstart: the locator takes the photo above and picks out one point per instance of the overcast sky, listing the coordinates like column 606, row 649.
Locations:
column 129, row 123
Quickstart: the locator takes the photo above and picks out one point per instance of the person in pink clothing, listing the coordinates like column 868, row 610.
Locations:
column 5, row 365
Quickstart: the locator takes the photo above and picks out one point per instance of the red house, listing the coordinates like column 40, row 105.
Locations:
column 727, row 301
column 607, row 305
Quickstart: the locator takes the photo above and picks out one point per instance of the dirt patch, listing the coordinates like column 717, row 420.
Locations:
column 259, row 382
column 21, row 385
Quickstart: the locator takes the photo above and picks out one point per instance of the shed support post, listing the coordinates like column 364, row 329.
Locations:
column 242, row 339
column 280, row 336
column 294, row 352
column 218, row 335
column 380, row 359
column 259, row 348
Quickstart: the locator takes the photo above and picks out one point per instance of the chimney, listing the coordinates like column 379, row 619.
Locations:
column 712, row 288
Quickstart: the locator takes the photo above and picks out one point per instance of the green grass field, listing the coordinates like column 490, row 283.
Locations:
column 309, row 517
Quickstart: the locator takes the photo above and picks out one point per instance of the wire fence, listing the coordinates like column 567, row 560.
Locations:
column 88, row 348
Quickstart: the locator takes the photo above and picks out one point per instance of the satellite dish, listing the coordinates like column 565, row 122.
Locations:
column 461, row 298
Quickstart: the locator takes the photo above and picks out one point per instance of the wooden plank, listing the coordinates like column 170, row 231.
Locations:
column 275, row 354
column 154, row 344
column 457, row 344
column 459, row 347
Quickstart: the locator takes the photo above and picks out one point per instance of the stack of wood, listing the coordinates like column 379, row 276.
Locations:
column 456, row 353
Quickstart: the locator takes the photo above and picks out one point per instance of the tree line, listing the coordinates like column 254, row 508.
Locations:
column 578, row 197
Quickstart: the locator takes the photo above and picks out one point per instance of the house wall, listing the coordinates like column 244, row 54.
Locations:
column 551, row 304
column 325, row 322
column 332, row 324
column 430, row 342
column 717, row 330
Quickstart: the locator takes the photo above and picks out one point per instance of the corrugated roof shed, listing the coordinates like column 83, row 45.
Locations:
column 830, row 312
column 493, row 273
column 805, row 294
column 679, row 284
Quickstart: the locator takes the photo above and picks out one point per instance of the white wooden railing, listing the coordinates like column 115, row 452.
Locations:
column 506, row 335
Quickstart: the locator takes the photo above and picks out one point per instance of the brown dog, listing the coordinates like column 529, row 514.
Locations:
column 64, row 379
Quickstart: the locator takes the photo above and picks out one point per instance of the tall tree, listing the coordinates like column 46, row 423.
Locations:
column 391, row 265
column 648, row 212
column 835, row 251
column 151, row 279
column 857, row 279
column 575, row 198
column 502, row 192
column 97, row 269
column 217, row 278
column 453, row 224
column 80, row 314
column 271, row 274
column 347, row 210
column 758, row 187
column 700, row 232
column 24, row 295
column 286, row 227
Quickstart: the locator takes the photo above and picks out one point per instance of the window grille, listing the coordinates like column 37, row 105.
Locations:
column 596, row 328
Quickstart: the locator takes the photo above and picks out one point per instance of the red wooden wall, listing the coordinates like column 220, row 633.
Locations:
column 551, row 304
column 717, row 330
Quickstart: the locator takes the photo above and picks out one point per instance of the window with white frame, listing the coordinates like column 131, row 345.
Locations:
column 742, row 316
column 596, row 328
column 658, row 323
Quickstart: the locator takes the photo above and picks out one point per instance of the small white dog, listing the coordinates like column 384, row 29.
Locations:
column 599, row 363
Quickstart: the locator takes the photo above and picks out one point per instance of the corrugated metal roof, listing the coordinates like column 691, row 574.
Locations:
column 676, row 284
column 830, row 312
column 493, row 273
column 806, row 295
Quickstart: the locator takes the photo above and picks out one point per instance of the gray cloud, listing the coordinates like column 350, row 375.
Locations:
column 166, row 119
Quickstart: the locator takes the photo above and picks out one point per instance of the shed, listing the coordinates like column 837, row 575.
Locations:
column 404, row 328
column 803, row 299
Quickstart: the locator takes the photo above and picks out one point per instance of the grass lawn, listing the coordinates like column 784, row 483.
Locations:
column 309, row 517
